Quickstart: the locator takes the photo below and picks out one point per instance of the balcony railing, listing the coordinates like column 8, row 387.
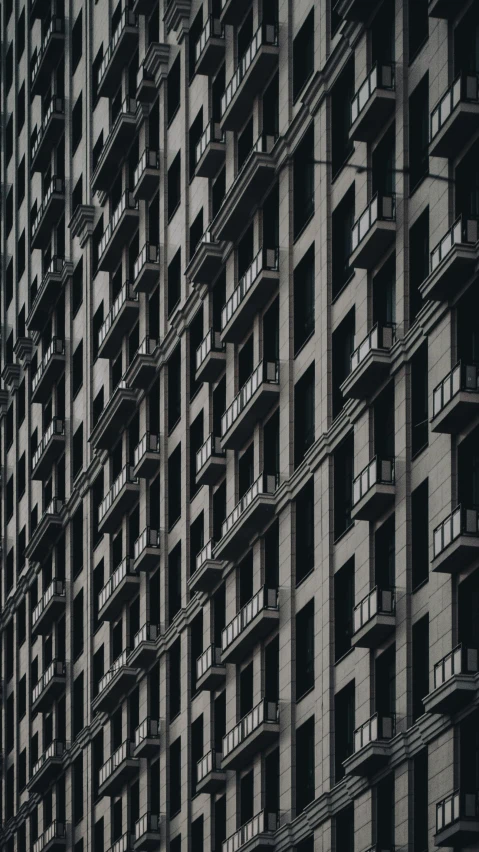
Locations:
column 376, row 728
column 263, row 599
column 265, row 711
column 266, row 34
column 210, row 762
column 112, row 671
column 464, row 231
column 380, row 208
column 124, row 569
column 463, row 377
column 127, row 202
column 147, row 823
column 212, row 133
column 150, row 443
column 55, row 669
column 210, row 657
column 55, row 749
column 56, row 185
column 148, row 254
column 148, row 538
column 265, row 484
column 56, row 427
column 56, row 587
column 265, row 372
column 211, row 447
column 56, row 105
column 465, row 88
column 377, row 472
column 380, row 77
column 378, row 601
column 148, row 160
column 380, row 337
column 122, row 753
column 55, row 267
column 56, row 347
column 146, row 729
column 123, row 479
column 207, row 552
column 124, row 844
column 128, row 19
column 55, row 829
column 460, row 522
column 56, row 26
column 125, row 295
column 457, row 806
column 147, row 633
column 212, row 29
column 262, row 823
column 460, row 660
column 210, row 343
column 266, row 259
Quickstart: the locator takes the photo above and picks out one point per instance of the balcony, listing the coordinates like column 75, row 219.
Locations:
column 45, row 60
column 248, row 518
column 456, row 541
column 370, row 363
column 210, row 462
column 123, row 583
column 146, row 89
column 119, row 321
column 147, row 832
column 48, row 293
column 146, row 270
column 206, row 262
column 210, row 151
column 51, row 208
column 256, row 66
column 122, row 134
column 355, row 10
column 143, row 369
column 457, row 820
column 254, row 290
column 122, row 47
column 255, row 732
column 455, row 119
column 50, row 686
column 210, row 778
column 52, row 365
column 374, row 490
column 114, row 684
column 453, row 261
column 373, row 103
column 49, row 450
column 118, row 770
column 257, row 834
column 247, row 191
column 53, row 838
column 124, row 844
column 210, row 358
column 120, row 499
column 147, row 550
column 147, row 738
column 455, row 681
column 120, row 229
column 48, row 768
column 209, row 570
column 372, row 746
column 374, row 232
column 251, row 624
column 374, row 618
column 49, row 608
column 446, row 9
column 113, row 419
column 251, row 405
column 44, row 138
column 455, row 400
column 144, row 645
column 46, row 532
column 210, row 47
column 210, row 671
column 146, row 458
column 146, row 178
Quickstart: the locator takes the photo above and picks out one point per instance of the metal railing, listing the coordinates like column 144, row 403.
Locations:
column 127, row 202
column 380, row 337
column 147, row 346
column 124, row 569
column 56, row 105
column 265, row 711
column 55, row 749
column 263, row 599
column 377, row 472
column 264, row 822
column 128, row 19
column 56, row 26
column 56, row 185
column 465, row 231
column 212, row 29
column 143, row 76
column 56, row 587
column 266, row 34
column 118, row 757
column 266, row 259
column 380, row 77
column 148, row 254
column 381, row 208
column 148, row 538
column 124, row 844
column 207, row 552
column 55, row 669
column 211, row 447
column 264, row 484
column 147, row 633
column 460, row 522
column 147, row 822
column 148, row 160
column 150, row 443
column 463, row 377
column 464, row 88
column 125, row 295
column 124, row 478
column 460, row 660
column 267, row 372
column 210, row 762
column 56, row 427
column 210, row 343
column 113, row 670
column 212, row 133
column 55, row 267
column 146, row 729
column 56, row 347
column 377, row 602
column 376, row 728
column 209, row 658
column 55, row 829
column 457, row 805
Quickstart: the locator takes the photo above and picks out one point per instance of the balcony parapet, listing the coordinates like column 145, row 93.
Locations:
column 144, row 645
column 119, row 587
column 121, row 497
column 118, row 53
column 117, row 322
column 257, row 834
column 48, row 608
column 50, row 210
column 146, row 177
column 210, row 777
column 49, row 449
column 46, row 532
column 250, row 406
column 49, row 687
column 48, row 767
column 50, row 129
column 456, row 681
column 257, row 64
column 210, row 47
column 121, row 135
column 147, row 738
column 120, row 228
column 143, row 367
column 255, row 732
column 208, row 572
column 457, row 820
column 49, row 371
column 210, row 357
column 147, row 550
column 210, row 670
column 254, row 290
column 372, row 746
column 370, row 363
column 374, row 618
column 118, row 770
column 53, row 838
column 115, row 416
column 455, row 119
column 456, row 541
column 146, row 457
column 452, row 260
column 207, row 260
column 253, row 622
column 50, row 288
column 115, row 683
column 373, row 232
column 210, row 461
column 248, row 518
column 374, row 490
column 146, row 271
column 126, row 843
column 147, row 832
column 455, row 400
column 45, row 58
column 210, row 151
column 373, row 103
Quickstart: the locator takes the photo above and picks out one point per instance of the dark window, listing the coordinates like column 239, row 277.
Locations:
column 174, row 282
column 196, row 232
column 344, row 830
column 303, row 181
column 305, row 786
column 420, row 802
column 341, row 97
column 94, row 77
column 21, row 481
column 78, row 622
column 271, row 445
column 77, row 369
column 385, row 678
column 343, row 608
column 77, row 123
column 77, row 288
column 195, row 133
column 174, row 88
column 197, row 828
column 78, row 785
column 344, row 712
column 420, row 665
column 9, row 140
column 175, row 679
column 418, row 262
column 9, row 68
column 271, row 670
column 303, row 415
column 175, row 777
column 174, row 186
column 21, row 183
column 419, row 400
column 9, row 498
column 174, row 388
column 305, row 650
column 196, row 749
column 343, row 462
column 21, row 35
column 303, row 55
column 418, row 25
column 174, row 487
column 419, row 130
column 304, row 299
column 77, row 41
column 78, row 694
column 193, row 36
column 77, row 453
column 9, row 284
column 342, row 223
column 97, row 324
column 342, row 348
column 21, row 108
column 195, row 338
column 174, row 582
column 196, row 648
column 304, row 532
column 9, row 211
column 420, row 534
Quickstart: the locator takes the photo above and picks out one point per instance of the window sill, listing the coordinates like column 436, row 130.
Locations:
column 418, row 184
column 311, row 571
column 343, row 287
column 308, row 692
column 300, row 91
column 420, row 585
column 304, row 343
column 173, row 212
column 303, row 228
column 344, row 533
column 418, row 51
column 173, row 116
column 346, row 654
column 419, row 451
column 343, row 165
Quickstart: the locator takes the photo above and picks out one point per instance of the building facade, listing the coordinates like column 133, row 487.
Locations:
column 239, row 425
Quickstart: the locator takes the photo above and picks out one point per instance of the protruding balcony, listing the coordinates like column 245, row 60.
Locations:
column 51, row 367
column 146, row 178
column 452, row 261
column 456, row 541
column 143, row 368
column 45, row 59
column 247, row 191
column 118, row 322
column 374, row 232
column 255, row 732
column 210, row 357
column 374, row 490
column 120, row 229
column 253, row 622
column 48, row 293
column 210, row 462
column 118, row 770
column 251, row 405
column 355, row 10
column 210, row 670
column 147, row 738
column 210, row 151
column 370, row 363
column 147, row 832
column 50, row 606
column 147, row 550
column 455, row 400
column 50, row 686
column 43, row 138
column 373, row 103
column 206, row 262
column 146, row 88
column 120, row 586
column 124, row 844
column 144, row 645
column 121, row 498
column 51, row 208
column 114, row 684
column 249, row 516
column 372, row 746
column 254, row 290
column 447, row 9
column 455, row 119
column 123, row 45
column 49, row 450
column 46, row 532
column 455, row 681
column 258, row 63
column 47, row 769
column 146, row 270
column 113, row 419
column 119, row 139
column 53, row 838
column 374, row 618
column 257, row 834
column 210, row 777
column 210, row 47
column 146, row 458
column 209, row 570
column 457, row 820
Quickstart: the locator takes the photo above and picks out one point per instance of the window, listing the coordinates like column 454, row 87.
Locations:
column 21, row 108
column 193, row 37
column 418, row 262
column 343, row 727
column 341, row 97
column 175, row 679
column 21, row 621
column 77, row 369
column 419, row 401
column 77, row 41
column 419, row 132
column 343, row 462
column 195, row 133
column 303, row 415
column 9, row 211
column 21, row 480
column 174, row 388
column 174, row 487
column 305, row 650
column 78, row 622
column 21, row 256
column 174, row 582
column 218, row 192
column 196, row 648
column 196, row 749
column 174, row 186
column 420, row 801
column 21, row 35
column 9, row 68
column 174, row 88
column 195, row 338
column 271, row 445
column 420, row 534
column 22, row 770
column 196, row 442
column 21, row 183
column 304, row 532
column 22, row 697
column 175, row 777
column 197, row 828
column 343, row 609
column 196, row 232
column 174, row 282
column 303, row 55
column 94, row 76
column 344, row 830
column 10, row 723
column 78, row 695
column 342, row 348
column 342, row 224
column 418, row 25
column 9, row 140
column 78, row 783
column 77, row 460
column 303, row 181
column 9, row 498
column 97, row 497
column 305, row 786
column 77, row 122
column 420, row 665
column 304, row 300
column 97, row 323
column 9, row 284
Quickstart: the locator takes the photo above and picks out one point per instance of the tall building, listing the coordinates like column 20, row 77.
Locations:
column 239, row 425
